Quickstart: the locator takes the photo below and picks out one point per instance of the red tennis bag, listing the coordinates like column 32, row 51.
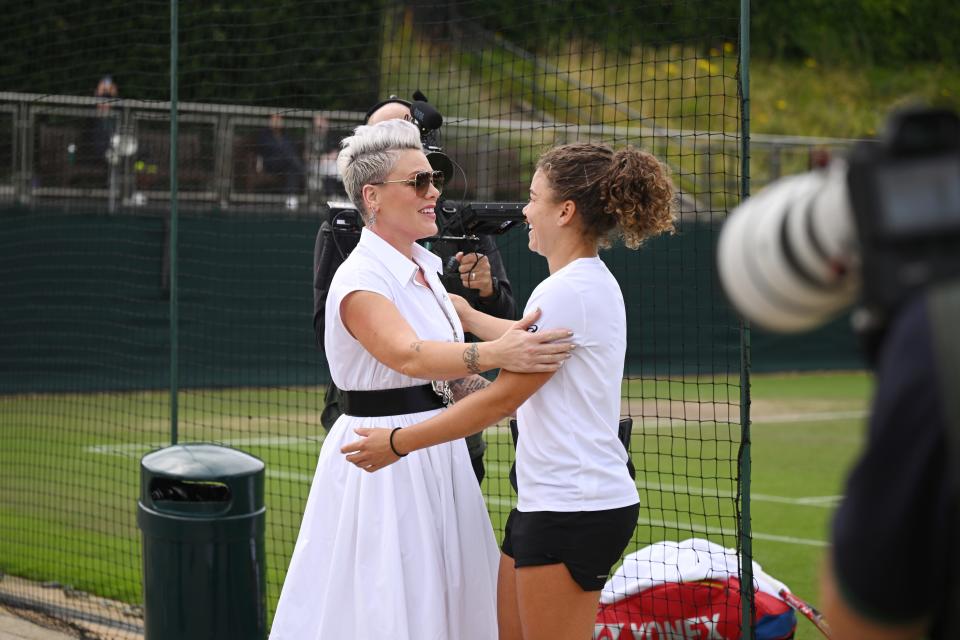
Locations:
column 688, row 591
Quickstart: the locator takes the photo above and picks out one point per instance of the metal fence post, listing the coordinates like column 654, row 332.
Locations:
column 174, row 311
column 746, row 543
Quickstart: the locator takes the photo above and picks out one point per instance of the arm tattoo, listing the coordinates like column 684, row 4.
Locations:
column 465, row 386
column 416, row 345
column 471, row 358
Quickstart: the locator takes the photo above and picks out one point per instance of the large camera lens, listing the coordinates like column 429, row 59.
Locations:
column 787, row 256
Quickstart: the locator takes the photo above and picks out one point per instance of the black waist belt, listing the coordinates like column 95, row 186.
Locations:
column 389, row 402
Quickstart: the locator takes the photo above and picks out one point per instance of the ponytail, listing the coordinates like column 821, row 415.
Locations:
column 627, row 193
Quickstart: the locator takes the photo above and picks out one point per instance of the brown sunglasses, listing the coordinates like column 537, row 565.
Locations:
column 420, row 182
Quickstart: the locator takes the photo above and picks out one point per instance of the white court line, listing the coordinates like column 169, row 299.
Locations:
column 135, row 449
column 825, row 502
column 813, row 416
column 289, row 475
column 652, row 422
column 130, row 449
column 510, row 503
column 720, row 531
column 641, row 423
column 694, row 528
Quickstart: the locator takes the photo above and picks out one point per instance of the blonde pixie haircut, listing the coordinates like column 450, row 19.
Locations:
column 370, row 154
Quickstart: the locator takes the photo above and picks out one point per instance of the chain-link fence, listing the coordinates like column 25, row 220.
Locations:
column 264, row 95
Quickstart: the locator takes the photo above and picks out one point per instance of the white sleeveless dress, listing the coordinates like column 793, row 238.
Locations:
column 407, row 552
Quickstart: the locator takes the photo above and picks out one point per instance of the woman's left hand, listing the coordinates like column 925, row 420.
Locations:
column 371, row 452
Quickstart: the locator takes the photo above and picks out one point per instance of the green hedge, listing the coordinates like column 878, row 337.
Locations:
column 850, row 32
column 276, row 52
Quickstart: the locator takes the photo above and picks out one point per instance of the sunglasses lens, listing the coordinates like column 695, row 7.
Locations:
column 438, row 179
column 422, row 183
column 423, row 180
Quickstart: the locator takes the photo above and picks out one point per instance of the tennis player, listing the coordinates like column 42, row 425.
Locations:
column 408, row 553
column 578, row 505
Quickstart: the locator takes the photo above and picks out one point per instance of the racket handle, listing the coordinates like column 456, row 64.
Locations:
column 808, row 610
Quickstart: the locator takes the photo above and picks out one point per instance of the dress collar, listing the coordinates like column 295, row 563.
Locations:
column 396, row 263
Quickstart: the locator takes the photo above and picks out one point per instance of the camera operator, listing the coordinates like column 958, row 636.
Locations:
column 885, row 227
column 477, row 275
column 893, row 563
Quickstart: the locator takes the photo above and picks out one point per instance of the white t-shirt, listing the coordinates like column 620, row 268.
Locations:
column 569, row 457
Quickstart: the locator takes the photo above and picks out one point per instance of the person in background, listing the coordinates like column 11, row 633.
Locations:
column 577, row 503
column 323, row 181
column 105, row 124
column 280, row 157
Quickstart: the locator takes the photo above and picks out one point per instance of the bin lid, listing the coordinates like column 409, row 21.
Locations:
column 201, row 461
column 201, row 480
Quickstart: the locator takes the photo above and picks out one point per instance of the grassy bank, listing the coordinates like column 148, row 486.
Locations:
column 832, row 99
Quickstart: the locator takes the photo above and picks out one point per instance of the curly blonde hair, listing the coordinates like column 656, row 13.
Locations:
column 627, row 193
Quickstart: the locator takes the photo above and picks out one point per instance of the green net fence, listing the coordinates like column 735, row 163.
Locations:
column 266, row 91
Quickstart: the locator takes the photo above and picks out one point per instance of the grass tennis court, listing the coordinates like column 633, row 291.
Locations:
column 76, row 520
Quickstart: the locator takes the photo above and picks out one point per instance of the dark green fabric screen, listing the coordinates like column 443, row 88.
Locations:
column 86, row 303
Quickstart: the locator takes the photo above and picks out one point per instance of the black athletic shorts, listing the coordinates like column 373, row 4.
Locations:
column 589, row 543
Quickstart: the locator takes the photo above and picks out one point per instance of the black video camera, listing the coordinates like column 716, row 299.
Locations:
column 905, row 197
column 460, row 228
column 462, row 225
column 428, row 120
column 479, row 218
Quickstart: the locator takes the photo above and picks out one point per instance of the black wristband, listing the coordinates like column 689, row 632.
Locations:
column 393, row 448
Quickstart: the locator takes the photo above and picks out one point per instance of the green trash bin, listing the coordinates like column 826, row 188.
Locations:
column 202, row 515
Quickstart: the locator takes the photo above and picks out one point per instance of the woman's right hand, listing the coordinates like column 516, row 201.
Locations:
column 524, row 349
